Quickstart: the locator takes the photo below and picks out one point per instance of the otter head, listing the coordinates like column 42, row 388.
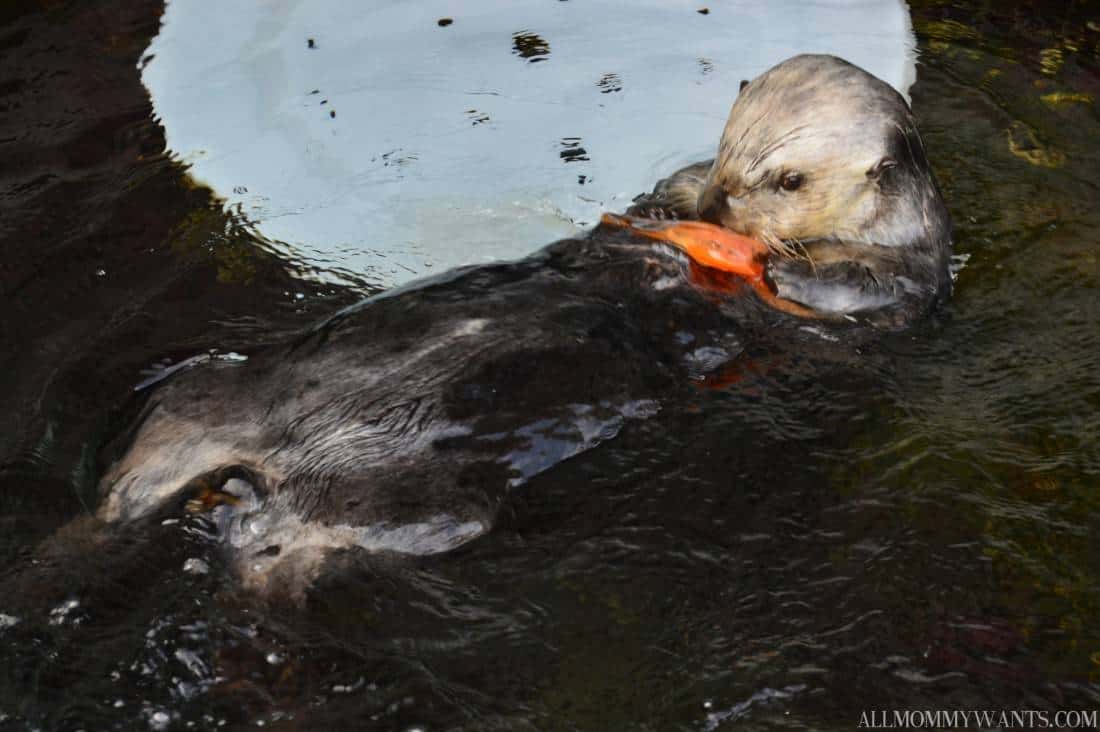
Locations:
column 818, row 149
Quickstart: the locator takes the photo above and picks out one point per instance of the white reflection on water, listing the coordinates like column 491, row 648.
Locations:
column 516, row 124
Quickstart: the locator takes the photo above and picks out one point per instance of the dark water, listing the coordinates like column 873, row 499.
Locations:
column 907, row 528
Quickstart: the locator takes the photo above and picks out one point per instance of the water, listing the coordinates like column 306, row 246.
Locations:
column 373, row 146
column 909, row 526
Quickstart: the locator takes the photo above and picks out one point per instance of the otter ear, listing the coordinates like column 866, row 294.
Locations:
column 877, row 170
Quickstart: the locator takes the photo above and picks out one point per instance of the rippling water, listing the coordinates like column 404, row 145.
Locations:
column 906, row 526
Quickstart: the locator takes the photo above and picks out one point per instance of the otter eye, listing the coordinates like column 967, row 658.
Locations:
column 791, row 181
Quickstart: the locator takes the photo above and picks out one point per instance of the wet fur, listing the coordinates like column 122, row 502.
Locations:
column 400, row 425
column 867, row 228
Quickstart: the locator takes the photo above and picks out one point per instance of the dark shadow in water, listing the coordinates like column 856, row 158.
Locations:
column 610, row 83
column 530, row 46
column 571, row 150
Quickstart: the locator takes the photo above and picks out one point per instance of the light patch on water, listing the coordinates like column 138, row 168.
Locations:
column 8, row 621
column 394, row 147
column 549, row 441
column 159, row 719
column 349, row 688
column 196, row 566
column 958, row 262
column 193, row 662
column 767, row 695
column 66, row 613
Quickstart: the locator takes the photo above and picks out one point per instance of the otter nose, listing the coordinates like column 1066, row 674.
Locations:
column 717, row 205
column 712, row 205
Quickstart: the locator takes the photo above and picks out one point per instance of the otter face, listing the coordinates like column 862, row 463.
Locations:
column 811, row 151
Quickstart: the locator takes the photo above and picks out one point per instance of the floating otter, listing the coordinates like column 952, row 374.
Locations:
column 401, row 423
column 823, row 160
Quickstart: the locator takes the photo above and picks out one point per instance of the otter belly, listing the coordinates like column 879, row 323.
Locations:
column 401, row 424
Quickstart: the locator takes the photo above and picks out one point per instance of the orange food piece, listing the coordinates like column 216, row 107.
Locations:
column 712, row 246
column 707, row 244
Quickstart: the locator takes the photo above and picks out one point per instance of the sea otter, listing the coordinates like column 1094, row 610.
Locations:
column 400, row 424
column 821, row 159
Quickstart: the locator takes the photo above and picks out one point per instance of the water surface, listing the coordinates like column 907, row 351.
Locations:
column 375, row 143
column 906, row 526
